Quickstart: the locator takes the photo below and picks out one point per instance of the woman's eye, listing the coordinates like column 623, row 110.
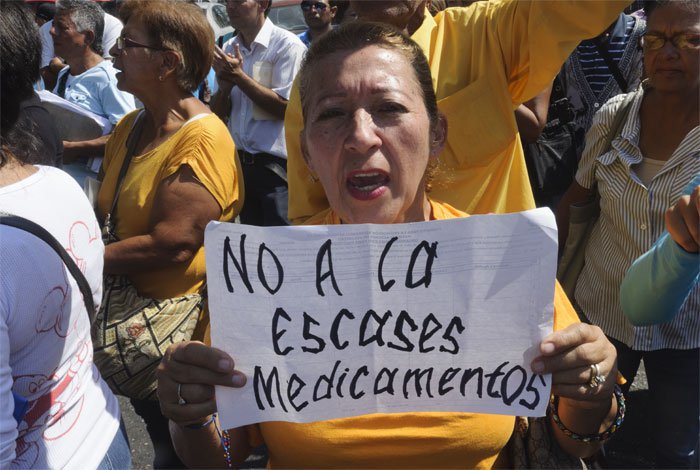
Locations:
column 392, row 107
column 329, row 114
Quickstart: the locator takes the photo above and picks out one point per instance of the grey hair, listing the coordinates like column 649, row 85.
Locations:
column 86, row 15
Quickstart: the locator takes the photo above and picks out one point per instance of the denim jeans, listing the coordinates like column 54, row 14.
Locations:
column 118, row 456
column 674, row 377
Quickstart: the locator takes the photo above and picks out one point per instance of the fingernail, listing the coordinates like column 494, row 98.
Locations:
column 224, row 365
column 538, row 367
column 238, row 380
column 547, row 348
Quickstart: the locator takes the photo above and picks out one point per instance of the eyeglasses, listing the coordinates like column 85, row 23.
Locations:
column 307, row 5
column 123, row 42
column 655, row 41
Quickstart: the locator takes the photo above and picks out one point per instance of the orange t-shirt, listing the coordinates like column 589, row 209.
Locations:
column 403, row 440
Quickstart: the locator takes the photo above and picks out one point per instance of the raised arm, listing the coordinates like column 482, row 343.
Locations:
column 657, row 284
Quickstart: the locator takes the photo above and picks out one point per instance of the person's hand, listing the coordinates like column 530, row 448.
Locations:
column 56, row 64
column 571, row 355
column 683, row 221
column 228, row 67
column 195, row 368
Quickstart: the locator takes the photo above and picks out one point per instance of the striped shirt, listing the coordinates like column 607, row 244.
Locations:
column 588, row 81
column 631, row 219
column 593, row 65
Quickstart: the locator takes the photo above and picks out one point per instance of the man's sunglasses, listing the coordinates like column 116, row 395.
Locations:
column 123, row 42
column 306, row 6
column 655, row 41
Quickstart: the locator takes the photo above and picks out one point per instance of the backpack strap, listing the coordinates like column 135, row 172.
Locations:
column 61, row 90
column 40, row 232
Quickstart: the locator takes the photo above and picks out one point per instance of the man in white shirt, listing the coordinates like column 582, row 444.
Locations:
column 255, row 71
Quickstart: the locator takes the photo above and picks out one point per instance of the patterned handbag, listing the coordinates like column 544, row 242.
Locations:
column 533, row 446
column 132, row 332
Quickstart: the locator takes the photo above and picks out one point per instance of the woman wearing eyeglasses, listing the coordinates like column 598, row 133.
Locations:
column 650, row 162
column 182, row 173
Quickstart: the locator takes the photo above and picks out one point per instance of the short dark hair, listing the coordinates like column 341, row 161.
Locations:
column 20, row 53
column 651, row 5
column 358, row 35
column 181, row 27
column 86, row 15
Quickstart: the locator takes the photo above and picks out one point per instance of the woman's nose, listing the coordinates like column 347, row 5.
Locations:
column 363, row 134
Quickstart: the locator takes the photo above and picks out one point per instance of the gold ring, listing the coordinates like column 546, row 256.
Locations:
column 596, row 378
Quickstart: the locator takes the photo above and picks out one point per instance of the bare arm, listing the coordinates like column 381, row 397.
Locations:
column 84, row 148
column 229, row 68
column 576, row 194
column 531, row 116
column 181, row 210
column 202, row 448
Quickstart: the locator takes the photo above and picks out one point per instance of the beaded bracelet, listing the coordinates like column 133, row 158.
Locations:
column 225, row 443
column 203, row 425
column 619, row 418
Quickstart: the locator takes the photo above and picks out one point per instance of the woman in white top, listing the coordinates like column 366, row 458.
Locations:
column 71, row 418
column 644, row 172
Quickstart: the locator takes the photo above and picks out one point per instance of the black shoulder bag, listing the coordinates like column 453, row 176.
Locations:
column 551, row 160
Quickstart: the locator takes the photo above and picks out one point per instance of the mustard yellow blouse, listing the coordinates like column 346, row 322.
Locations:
column 205, row 145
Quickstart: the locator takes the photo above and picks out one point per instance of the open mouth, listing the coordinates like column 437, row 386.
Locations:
column 367, row 185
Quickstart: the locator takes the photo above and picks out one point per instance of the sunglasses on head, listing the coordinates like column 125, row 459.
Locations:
column 655, row 41
column 307, row 5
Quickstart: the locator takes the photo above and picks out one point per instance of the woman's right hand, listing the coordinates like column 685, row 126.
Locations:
column 195, row 368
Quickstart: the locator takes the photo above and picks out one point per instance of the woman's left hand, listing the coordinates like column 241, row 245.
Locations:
column 575, row 356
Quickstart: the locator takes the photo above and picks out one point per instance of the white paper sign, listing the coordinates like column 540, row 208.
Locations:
column 337, row 321
column 74, row 122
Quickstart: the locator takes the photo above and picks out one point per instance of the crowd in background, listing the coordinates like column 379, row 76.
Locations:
column 511, row 105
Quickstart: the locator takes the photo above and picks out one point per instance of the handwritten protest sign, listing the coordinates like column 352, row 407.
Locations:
column 335, row 321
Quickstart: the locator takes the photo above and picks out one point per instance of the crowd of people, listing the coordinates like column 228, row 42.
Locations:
column 381, row 112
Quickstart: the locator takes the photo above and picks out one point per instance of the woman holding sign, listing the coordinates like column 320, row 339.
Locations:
column 372, row 135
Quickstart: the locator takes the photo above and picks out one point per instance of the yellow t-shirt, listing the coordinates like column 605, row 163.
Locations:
column 205, row 145
column 485, row 60
column 399, row 440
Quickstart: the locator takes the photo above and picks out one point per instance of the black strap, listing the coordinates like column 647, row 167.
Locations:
column 61, row 90
column 612, row 66
column 40, row 232
column 131, row 142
